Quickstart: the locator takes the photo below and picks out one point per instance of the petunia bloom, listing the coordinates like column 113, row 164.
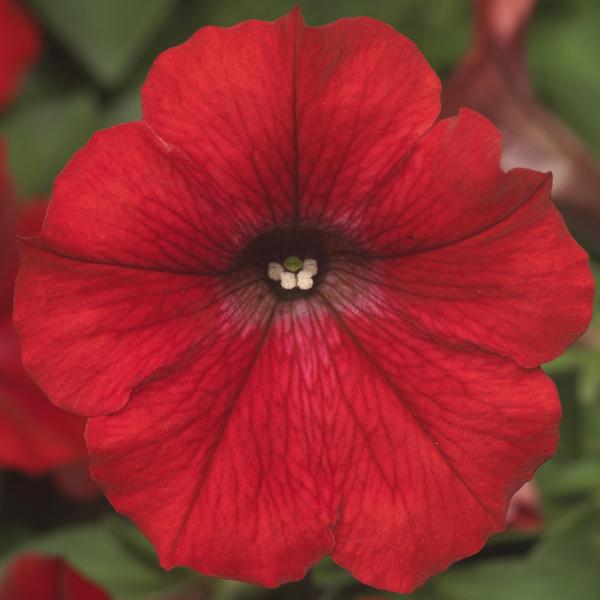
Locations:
column 304, row 317
column 19, row 47
column 38, row 577
column 35, row 436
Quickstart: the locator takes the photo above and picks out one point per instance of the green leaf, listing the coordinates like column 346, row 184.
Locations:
column 224, row 589
column 569, row 479
column 575, row 538
column 327, row 574
column 564, row 565
column 564, row 46
column 42, row 135
column 440, row 29
column 126, row 107
column 110, row 552
column 107, row 37
column 498, row 580
column 569, row 361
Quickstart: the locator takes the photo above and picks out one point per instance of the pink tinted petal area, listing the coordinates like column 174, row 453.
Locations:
column 37, row 577
column 312, row 114
column 19, row 47
column 295, row 454
column 493, row 79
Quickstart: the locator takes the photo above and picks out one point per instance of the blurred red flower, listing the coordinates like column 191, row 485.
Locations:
column 19, row 47
column 525, row 509
column 37, row 577
column 35, row 436
column 305, row 318
column 493, row 79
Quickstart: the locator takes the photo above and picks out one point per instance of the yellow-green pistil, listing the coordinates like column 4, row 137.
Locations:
column 292, row 264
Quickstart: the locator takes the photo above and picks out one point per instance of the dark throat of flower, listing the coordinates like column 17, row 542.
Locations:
column 295, row 262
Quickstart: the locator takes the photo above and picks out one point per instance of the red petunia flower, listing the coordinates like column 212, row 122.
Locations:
column 305, row 318
column 19, row 47
column 35, row 436
column 37, row 577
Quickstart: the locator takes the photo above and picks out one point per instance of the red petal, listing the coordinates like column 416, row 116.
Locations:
column 245, row 462
column 444, row 191
column 502, row 289
column 475, row 255
column 128, row 198
column 35, row 436
column 448, row 435
column 36, row 577
column 364, row 95
column 31, row 216
column 133, row 323
column 215, row 462
column 109, row 236
column 19, row 47
column 273, row 112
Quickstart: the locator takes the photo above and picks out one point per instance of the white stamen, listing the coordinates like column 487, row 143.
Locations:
column 274, row 271
column 288, row 280
column 305, row 281
column 310, row 265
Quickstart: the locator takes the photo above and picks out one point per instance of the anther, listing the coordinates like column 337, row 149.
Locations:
column 274, row 270
column 310, row 266
column 304, row 279
column 293, row 273
column 288, row 280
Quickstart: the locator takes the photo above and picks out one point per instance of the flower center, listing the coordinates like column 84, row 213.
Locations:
column 293, row 262
column 293, row 273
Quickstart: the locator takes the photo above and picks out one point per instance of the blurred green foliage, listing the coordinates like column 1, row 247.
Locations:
column 564, row 51
column 97, row 54
column 564, row 564
column 106, row 46
column 109, row 551
column 43, row 134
